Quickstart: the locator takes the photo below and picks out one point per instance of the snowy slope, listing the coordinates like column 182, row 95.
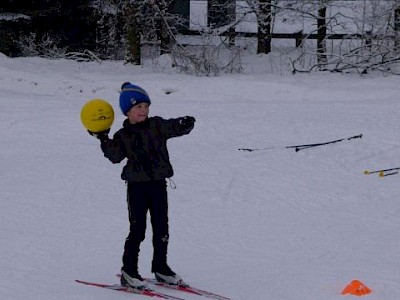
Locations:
column 274, row 224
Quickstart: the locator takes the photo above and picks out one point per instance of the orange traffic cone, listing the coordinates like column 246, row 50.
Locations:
column 357, row 288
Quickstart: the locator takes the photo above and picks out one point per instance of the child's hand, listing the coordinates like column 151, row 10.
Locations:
column 187, row 122
column 102, row 135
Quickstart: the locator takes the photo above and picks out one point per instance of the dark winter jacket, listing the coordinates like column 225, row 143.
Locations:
column 145, row 146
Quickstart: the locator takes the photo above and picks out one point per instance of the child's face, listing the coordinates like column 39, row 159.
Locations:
column 138, row 113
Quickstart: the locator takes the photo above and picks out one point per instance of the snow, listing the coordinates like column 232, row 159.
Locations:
column 271, row 224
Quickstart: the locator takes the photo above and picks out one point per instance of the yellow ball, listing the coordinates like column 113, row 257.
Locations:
column 97, row 115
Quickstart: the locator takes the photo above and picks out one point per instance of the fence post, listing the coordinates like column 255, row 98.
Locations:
column 368, row 39
column 299, row 36
column 232, row 36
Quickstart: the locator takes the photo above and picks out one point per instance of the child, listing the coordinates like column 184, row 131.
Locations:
column 143, row 141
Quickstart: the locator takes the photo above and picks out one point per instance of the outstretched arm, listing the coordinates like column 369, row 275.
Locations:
column 177, row 127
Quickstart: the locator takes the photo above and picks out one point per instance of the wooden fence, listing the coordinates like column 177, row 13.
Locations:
column 299, row 36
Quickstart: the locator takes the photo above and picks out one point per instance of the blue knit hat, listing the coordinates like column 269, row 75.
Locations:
column 132, row 95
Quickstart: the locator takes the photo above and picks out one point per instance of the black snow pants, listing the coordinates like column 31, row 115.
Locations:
column 143, row 197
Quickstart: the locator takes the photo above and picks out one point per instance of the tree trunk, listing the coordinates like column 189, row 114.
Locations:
column 133, row 54
column 133, row 46
column 321, row 35
column 264, row 19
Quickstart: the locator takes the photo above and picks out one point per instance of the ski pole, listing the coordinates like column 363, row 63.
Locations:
column 256, row 149
column 301, row 147
column 382, row 172
column 387, row 174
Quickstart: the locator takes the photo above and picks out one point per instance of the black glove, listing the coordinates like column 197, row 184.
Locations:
column 187, row 122
column 102, row 135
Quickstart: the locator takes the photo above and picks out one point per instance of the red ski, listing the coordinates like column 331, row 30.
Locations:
column 187, row 289
column 118, row 287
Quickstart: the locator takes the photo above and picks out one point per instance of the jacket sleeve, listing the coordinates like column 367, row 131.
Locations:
column 175, row 127
column 114, row 149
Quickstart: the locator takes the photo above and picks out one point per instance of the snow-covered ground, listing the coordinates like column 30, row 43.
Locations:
column 274, row 224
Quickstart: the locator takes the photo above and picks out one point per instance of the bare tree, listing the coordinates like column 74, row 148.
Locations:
column 367, row 35
column 264, row 20
column 264, row 11
column 369, row 31
column 138, row 22
column 321, row 29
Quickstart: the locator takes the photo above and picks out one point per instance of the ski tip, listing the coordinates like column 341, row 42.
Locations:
column 366, row 172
